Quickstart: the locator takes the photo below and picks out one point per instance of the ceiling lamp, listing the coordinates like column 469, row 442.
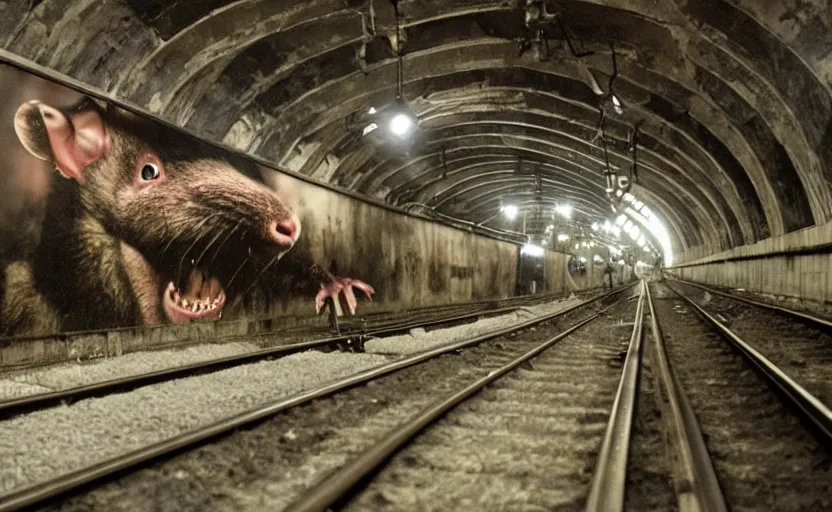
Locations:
column 397, row 118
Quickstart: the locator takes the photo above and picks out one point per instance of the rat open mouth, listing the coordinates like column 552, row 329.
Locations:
column 203, row 298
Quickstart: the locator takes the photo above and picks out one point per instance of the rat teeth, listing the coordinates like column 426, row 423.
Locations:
column 194, row 307
column 184, row 303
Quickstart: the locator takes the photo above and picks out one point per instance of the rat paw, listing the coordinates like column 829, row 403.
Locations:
column 341, row 289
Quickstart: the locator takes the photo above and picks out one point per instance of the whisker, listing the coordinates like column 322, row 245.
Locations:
column 265, row 268
column 199, row 259
column 239, row 269
column 231, row 232
column 197, row 239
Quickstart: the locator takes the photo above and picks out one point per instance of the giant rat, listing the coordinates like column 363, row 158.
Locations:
column 150, row 226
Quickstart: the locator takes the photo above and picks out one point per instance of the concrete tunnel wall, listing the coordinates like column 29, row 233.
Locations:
column 410, row 262
column 732, row 97
column 797, row 265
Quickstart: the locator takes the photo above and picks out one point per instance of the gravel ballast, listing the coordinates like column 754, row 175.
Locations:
column 45, row 444
column 69, row 375
column 420, row 340
column 266, row 467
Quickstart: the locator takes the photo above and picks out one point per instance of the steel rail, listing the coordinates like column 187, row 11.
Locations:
column 695, row 481
column 821, row 322
column 807, row 405
column 11, row 408
column 73, row 481
column 338, row 486
column 609, row 480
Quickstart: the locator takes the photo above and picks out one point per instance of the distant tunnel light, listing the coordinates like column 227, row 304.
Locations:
column 620, row 220
column 563, row 238
column 634, row 232
column 533, row 250
column 595, row 226
column 510, row 212
column 564, row 210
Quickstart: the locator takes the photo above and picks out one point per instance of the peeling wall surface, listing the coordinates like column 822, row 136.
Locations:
column 514, row 98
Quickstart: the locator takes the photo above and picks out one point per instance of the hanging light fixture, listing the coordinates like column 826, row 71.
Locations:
column 396, row 121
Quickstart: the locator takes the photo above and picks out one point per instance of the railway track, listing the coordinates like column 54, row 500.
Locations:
column 749, row 411
column 543, row 417
column 798, row 343
column 71, row 481
column 430, row 456
column 521, row 443
column 352, row 339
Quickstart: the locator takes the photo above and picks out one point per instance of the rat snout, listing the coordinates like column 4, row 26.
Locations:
column 285, row 232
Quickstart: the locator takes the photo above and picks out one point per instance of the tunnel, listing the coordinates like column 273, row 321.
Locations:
column 205, row 185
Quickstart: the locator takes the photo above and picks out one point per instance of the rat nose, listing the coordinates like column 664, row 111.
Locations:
column 285, row 231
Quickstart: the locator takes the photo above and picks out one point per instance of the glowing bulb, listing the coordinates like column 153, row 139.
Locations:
column 563, row 238
column 594, row 226
column 510, row 212
column 564, row 210
column 401, row 125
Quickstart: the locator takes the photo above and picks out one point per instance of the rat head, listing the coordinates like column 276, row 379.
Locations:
column 203, row 228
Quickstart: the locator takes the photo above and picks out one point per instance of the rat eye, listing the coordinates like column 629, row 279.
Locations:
column 150, row 172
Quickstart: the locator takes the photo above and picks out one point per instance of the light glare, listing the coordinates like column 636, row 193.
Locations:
column 533, row 250
column 401, row 125
column 564, row 210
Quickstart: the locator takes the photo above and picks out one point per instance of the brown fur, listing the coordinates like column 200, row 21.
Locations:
column 107, row 250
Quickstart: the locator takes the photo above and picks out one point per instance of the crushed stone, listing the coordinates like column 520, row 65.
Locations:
column 47, row 443
column 70, row 375
column 419, row 340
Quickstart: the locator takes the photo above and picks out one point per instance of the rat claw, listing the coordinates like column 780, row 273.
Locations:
column 351, row 301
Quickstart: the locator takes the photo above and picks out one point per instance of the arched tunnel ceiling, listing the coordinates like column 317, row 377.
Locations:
column 732, row 97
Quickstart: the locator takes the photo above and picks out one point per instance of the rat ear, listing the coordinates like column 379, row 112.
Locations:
column 71, row 143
